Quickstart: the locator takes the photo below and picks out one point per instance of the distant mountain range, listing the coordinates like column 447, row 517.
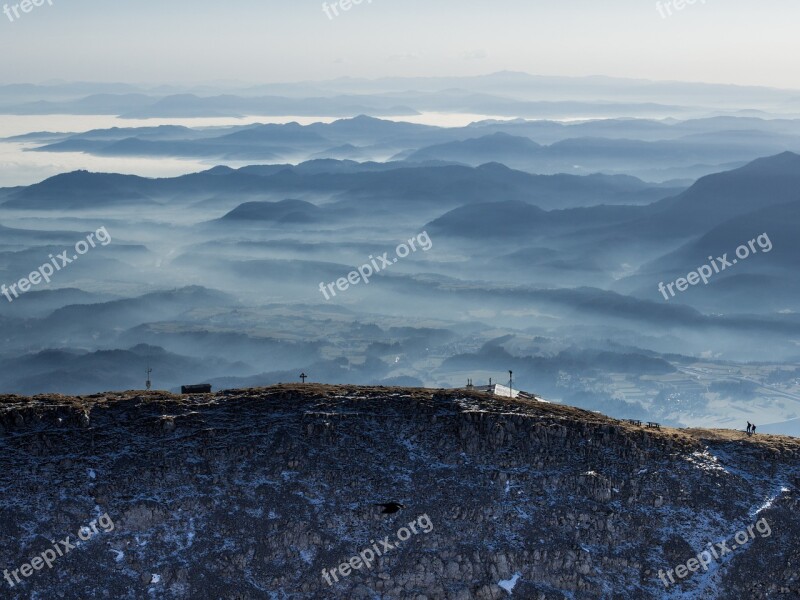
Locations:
column 351, row 182
column 609, row 155
column 652, row 150
column 503, row 93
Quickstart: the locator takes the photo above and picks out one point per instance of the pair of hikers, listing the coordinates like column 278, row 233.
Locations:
column 751, row 429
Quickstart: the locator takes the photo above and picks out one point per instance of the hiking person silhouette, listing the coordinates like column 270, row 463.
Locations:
column 749, row 426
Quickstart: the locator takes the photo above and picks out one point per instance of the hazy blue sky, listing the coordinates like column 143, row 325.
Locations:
column 732, row 41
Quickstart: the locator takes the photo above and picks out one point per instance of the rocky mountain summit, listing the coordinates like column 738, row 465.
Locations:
column 273, row 493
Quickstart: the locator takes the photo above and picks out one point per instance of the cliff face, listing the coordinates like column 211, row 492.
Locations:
column 251, row 494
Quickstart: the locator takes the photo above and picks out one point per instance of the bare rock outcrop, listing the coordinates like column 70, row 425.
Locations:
column 251, row 494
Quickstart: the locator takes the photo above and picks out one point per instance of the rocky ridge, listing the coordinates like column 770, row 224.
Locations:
column 249, row 494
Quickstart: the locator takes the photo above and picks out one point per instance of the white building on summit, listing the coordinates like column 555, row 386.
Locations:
column 498, row 389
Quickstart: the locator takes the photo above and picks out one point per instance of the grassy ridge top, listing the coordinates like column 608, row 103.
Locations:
column 314, row 397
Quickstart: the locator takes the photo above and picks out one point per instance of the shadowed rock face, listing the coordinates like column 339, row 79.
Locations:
column 251, row 494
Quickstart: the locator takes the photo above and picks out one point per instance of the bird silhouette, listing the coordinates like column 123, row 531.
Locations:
column 390, row 508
